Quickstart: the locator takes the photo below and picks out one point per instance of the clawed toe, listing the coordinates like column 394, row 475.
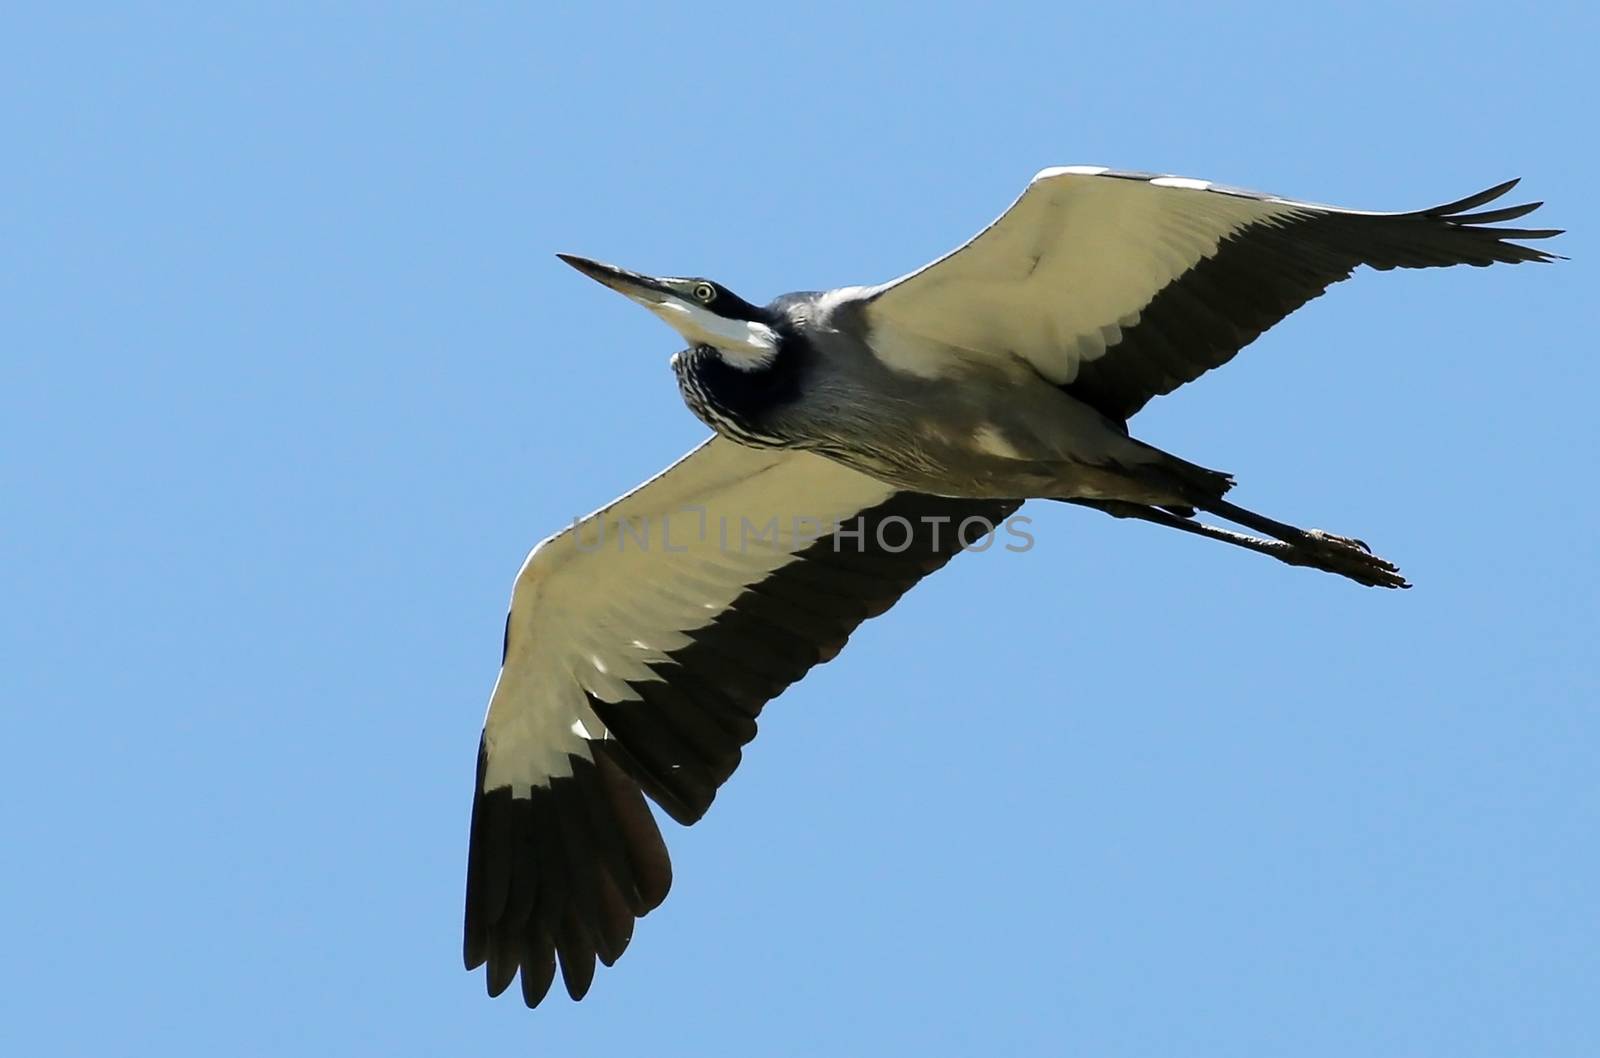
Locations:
column 1351, row 558
column 1338, row 541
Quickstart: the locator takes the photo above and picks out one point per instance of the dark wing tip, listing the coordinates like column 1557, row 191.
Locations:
column 474, row 948
column 1451, row 234
column 576, row 947
column 1471, row 201
column 504, row 958
column 557, row 877
column 538, row 972
column 1495, row 216
column 1456, row 214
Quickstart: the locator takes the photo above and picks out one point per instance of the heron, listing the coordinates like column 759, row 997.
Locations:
column 861, row 438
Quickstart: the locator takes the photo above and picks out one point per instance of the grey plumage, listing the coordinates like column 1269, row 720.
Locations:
column 985, row 429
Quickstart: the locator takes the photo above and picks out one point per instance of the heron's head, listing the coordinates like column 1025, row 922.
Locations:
column 703, row 312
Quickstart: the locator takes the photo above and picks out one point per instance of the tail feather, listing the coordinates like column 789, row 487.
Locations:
column 1194, row 484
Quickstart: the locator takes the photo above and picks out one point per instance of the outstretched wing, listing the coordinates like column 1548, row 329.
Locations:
column 641, row 645
column 1122, row 286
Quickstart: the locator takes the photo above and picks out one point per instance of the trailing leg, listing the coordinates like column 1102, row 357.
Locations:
column 1297, row 547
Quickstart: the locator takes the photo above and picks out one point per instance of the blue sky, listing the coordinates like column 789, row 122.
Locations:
column 291, row 380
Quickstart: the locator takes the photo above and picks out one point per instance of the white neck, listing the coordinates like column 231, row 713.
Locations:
column 744, row 344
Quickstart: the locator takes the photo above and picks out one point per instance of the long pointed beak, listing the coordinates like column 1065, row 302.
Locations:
column 644, row 289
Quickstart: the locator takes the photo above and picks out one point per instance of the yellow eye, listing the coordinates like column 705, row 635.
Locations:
column 705, row 292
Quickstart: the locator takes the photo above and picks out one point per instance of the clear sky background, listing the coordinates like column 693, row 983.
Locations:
column 291, row 380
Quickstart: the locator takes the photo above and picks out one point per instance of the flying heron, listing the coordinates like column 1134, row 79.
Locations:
column 861, row 438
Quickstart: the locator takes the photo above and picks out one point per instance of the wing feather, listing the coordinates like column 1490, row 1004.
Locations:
column 640, row 669
column 1123, row 286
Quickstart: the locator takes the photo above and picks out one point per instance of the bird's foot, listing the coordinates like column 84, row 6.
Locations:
column 1347, row 557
